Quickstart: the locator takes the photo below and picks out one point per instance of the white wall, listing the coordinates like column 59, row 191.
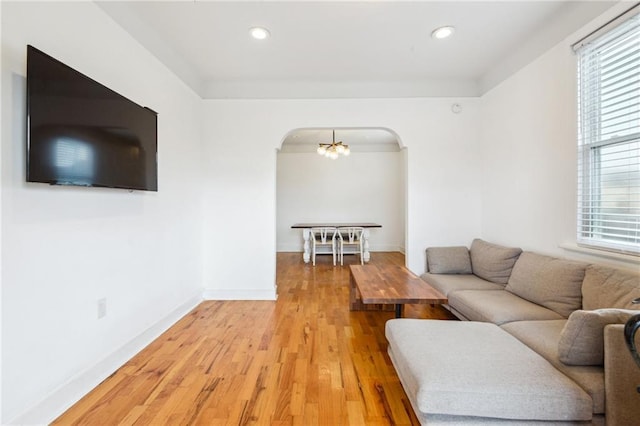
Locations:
column 241, row 141
column 529, row 149
column 64, row 248
column 1, row 196
column 528, row 155
column 364, row 187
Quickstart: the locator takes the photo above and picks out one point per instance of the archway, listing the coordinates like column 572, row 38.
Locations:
column 367, row 186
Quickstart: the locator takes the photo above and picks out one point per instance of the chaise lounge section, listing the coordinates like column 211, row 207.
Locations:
column 541, row 341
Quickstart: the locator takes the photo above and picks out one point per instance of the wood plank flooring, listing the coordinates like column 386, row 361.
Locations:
column 304, row 359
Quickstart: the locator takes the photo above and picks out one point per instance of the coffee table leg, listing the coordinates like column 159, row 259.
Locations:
column 399, row 308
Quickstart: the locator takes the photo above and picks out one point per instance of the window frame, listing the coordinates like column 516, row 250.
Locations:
column 592, row 140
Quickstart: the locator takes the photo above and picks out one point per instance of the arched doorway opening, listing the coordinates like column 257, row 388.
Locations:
column 369, row 185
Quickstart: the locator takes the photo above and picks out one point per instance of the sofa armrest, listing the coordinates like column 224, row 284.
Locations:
column 621, row 379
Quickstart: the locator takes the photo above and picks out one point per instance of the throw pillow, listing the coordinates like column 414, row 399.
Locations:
column 493, row 262
column 448, row 260
column 553, row 283
column 606, row 287
column 582, row 338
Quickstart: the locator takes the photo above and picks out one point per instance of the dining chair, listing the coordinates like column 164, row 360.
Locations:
column 350, row 238
column 323, row 237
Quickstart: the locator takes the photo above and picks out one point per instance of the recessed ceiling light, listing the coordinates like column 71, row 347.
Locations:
column 259, row 33
column 443, row 32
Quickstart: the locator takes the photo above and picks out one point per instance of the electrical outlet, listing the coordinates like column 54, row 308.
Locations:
column 102, row 308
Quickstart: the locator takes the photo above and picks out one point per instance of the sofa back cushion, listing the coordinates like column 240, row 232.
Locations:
column 582, row 338
column 493, row 262
column 606, row 287
column 448, row 260
column 553, row 283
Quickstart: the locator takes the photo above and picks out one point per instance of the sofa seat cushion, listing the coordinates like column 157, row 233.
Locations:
column 491, row 261
column 605, row 287
column 548, row 281
column 448, row 283
column 497, row 306
column 543, row 337
column 478, row 369
column 448, row 260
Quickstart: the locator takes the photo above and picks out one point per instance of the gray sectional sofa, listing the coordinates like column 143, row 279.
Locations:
column 541, row 341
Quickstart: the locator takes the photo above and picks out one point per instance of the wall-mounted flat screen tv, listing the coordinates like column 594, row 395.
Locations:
column 80, row 132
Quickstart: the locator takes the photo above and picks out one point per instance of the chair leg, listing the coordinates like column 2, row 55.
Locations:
column 361, row 255
column 313, row 254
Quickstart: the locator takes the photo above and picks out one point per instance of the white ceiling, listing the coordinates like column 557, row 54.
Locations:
column 348, row 49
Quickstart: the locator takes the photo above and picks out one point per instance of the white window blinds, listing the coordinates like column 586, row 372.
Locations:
column 609, row 139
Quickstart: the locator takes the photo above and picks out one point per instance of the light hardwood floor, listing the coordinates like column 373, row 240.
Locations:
column 304, row 359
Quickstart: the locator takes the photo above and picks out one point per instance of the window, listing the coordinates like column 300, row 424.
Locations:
column 609, row 139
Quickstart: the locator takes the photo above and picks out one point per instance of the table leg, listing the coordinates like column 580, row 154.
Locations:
column 365, row 243
column 399, row 309
column 306, row 233
column 354, row 296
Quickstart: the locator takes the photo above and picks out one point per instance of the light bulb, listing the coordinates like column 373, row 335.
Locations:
column 321, row 150
column 443, row 32
column 259, row 33
column 346, row 151
column 340, row 149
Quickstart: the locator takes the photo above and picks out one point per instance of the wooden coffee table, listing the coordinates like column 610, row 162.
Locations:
column 389, row 285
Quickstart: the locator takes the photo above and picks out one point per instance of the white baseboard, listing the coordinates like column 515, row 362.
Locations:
column 250, row 294
column 385, row 247
column 71, row 392
column 290, row 248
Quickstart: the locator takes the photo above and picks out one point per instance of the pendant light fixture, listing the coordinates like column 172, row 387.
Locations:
column 334, row 149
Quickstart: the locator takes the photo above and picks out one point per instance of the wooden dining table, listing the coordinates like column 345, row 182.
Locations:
column 306, row 232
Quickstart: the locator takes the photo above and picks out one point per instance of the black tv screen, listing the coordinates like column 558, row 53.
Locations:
column 80, row 132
